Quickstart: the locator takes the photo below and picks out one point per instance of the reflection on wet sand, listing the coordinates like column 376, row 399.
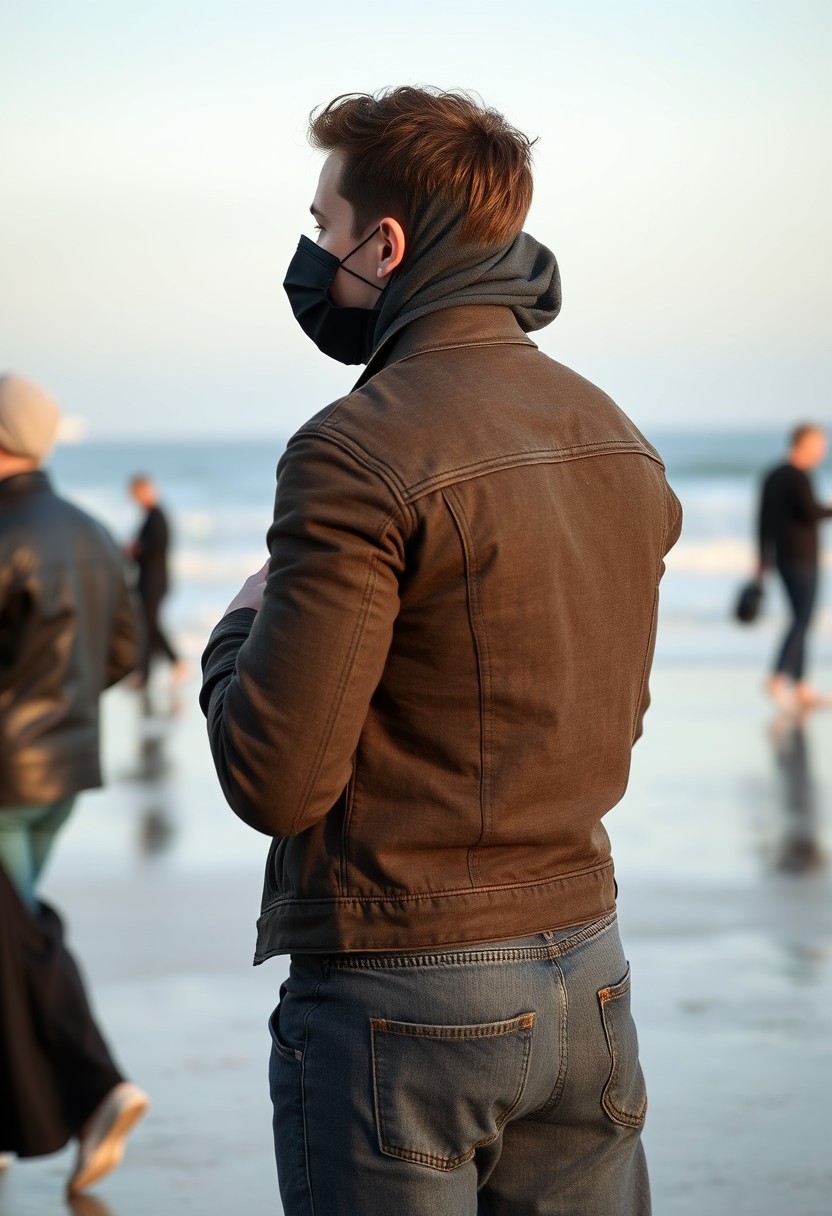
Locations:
column 88, row 1205
column 155, row 777
column 157, row 828
column 798, row 848
column 49, row 1200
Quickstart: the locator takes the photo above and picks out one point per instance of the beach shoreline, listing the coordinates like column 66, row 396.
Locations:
column 731, row 954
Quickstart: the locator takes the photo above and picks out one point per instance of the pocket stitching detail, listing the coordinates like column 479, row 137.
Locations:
column 522, row 1024
column 623, row 1117
column 292, row 1054
column 488, row 1030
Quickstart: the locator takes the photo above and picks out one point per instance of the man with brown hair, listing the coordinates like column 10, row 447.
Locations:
column 428, row 698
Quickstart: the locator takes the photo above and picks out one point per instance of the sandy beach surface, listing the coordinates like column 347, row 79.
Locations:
column 725, row 913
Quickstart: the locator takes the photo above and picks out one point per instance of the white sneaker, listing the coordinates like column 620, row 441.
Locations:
column 101, row 1144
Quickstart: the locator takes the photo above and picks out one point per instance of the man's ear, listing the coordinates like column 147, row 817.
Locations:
column 392, row 246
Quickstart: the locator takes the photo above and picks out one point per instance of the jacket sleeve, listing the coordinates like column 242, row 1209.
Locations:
column 806, row 506
column 765, row 530
column 123, row 652
column 15, row 604
column 286, row 692
column 672, row 534
column 5, row 583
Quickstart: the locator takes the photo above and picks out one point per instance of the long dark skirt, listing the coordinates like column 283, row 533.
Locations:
column 55, row 1067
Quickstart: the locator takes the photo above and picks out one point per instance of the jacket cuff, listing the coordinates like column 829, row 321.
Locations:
column 219, row 658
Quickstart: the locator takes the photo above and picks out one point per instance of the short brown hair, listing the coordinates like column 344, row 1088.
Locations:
column 803, row 429
column 406, row 145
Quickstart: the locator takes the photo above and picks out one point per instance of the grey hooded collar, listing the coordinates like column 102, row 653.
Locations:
column 441, row 271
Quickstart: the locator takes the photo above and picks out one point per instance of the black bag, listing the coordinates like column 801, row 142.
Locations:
column 748, row 604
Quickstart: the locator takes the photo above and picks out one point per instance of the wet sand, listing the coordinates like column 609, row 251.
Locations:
column 725, row 912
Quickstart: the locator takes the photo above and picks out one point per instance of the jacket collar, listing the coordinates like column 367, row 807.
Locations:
column 22, row 484
column 468, row 325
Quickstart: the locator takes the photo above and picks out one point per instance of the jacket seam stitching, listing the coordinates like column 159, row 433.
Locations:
column 480, row 636
column 665, row 525
column 644, row 671
column 404, row 495
column 455, row 892
column 327, row 433
column 437, row 349
column 349, row 802
column 518, row 459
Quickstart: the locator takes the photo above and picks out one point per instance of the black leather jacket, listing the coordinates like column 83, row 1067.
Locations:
column 68, row 630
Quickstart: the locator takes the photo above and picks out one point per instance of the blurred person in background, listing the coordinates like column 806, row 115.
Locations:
column 150, row 553
column 429, row 697
column 68, row 630
column 788, row 541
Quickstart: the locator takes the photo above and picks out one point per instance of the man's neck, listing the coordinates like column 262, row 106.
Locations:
column 12, row 466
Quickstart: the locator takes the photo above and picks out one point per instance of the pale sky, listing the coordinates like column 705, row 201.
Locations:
column 155, row 177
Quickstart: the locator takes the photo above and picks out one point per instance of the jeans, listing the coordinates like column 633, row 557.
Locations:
column 801, row 584
column 27, row 834
column 492, row 1080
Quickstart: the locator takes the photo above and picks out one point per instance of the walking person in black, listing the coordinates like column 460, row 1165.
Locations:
column 788, row 534
column 150, row 553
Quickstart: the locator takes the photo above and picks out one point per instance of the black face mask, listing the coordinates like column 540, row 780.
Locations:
column 345, row 334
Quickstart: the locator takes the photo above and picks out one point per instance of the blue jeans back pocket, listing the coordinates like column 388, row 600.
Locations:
column 442, row 1091
column 625, row 1094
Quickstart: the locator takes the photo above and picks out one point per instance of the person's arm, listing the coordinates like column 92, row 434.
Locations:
column 151, row 544
column 765, row 532
column 805, row 504
column 157, row 538
column 286, row 691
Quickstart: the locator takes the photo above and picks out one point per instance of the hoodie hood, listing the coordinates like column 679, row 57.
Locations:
column 442, row 271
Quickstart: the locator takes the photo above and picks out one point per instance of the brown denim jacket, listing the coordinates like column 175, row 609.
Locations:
column 436, row 703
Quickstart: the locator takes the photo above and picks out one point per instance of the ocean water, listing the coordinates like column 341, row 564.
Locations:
column 219, row 497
